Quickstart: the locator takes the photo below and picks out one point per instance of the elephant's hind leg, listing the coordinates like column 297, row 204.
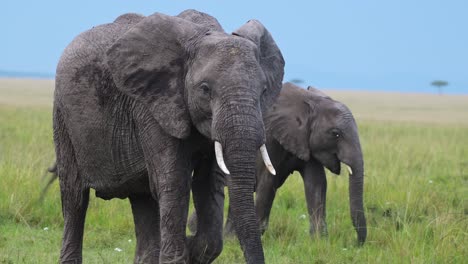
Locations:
column 74, row 213
column 146, row 217
column 74, row 194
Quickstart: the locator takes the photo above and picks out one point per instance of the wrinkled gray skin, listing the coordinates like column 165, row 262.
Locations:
column 137, row 106
column 307, row 131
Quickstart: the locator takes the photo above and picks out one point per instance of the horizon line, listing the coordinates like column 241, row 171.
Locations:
column 51, row 76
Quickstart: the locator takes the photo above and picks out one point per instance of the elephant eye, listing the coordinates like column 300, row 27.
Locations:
column 336, row 133
column 205, row 89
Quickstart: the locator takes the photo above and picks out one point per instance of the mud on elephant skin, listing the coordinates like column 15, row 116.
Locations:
column 307, row 131
column 139, row 103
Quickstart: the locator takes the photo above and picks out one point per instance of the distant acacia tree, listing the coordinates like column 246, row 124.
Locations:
column 439, row 84
column 297, row 81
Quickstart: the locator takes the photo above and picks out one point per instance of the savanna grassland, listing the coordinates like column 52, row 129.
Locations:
column 416, row 188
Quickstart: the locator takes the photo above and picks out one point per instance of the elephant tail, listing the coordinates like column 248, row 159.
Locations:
column 52, row 170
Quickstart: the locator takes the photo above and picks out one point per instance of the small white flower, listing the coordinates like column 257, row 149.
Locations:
column 129, row 241
column 302, row 216
column 430, row 181
column 344, row 249
column 387, row 203
column 46, row 228
column 118, row 249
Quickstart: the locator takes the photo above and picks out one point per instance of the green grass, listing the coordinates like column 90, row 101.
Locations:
column 416, row 190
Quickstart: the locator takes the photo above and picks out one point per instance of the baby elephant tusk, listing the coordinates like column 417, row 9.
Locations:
column 349, row 169
column 219, row 157
column 266, row 159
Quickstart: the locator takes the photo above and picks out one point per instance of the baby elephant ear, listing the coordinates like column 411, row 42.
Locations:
column 289, row 120
column 147, row 64
column 271, row 59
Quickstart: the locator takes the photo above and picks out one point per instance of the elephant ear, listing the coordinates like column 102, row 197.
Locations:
column 147, row 63
column 270, row 57
column 201, row 19
column 289, row 120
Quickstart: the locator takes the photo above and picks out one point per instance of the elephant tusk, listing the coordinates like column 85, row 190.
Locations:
column 219, row 157
column 266, row 160
column 349, row 169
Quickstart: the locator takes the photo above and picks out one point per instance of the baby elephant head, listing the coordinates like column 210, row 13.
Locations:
column 311, row 125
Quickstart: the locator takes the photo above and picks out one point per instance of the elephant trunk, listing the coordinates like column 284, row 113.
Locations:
column 350, row 153
column 241, row 136
column 241, row 184
column 356, row 185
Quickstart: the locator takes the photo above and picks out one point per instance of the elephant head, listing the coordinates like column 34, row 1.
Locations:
column 332, row 138
column 191, row 75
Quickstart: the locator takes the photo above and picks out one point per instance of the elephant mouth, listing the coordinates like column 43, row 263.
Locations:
column 333, row 164
column 335, row 169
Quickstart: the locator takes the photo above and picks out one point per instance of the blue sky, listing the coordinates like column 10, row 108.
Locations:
column 370, row 45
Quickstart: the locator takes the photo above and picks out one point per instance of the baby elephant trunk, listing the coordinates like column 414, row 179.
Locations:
column 356, row 185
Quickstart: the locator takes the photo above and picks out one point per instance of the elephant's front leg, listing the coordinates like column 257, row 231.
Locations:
column 265, row 194
column 168, row 163
column 208, row 198
column 173, row 195
column 315, row 185
column 146, row 217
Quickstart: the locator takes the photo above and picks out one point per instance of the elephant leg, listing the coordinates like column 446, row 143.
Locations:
column 229, row 226
column 265, row 194
column 315, row 186
column 173, row 195
column 169, row 167
column 74, row 195
column 208, row 198
column 192, row 223
column 74, row 208
column 146, row 218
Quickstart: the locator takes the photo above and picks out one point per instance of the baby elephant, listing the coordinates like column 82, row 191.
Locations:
column 306, row 131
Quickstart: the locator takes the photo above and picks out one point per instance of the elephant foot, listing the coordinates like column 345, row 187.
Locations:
column 172, row 259
column 72, row 261
column 204, row 250
column 318, row 230
column 192, row 223
column 148, row 257
column 263, row 226
column 229, row 231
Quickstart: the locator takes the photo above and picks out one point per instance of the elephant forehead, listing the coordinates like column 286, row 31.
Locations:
column 337, row 109
column 337, row 114
column 226, row 63
column 226, row 45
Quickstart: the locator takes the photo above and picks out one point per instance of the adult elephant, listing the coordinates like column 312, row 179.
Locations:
column 138, row 104
column 307, row 131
